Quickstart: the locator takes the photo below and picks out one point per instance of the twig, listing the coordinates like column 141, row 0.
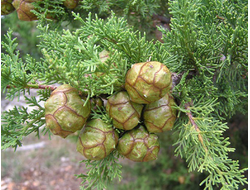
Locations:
column 190, row 116
column 36, row 86
column 191, row 119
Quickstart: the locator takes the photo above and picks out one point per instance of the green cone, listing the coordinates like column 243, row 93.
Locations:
column 159, row 116
column 23, row 8
column 70, row 4
column 97, row 140
column 6, row 7
column 139, row 145
column 64, row 111
column 125, row 114
column 148, row 82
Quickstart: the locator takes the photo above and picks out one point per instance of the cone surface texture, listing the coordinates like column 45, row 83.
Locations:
column 159, row 116
column 148, row 82
column 65, row 112
column 23, row 8
column 125, row 113
column 139, row 145
column 97, row 140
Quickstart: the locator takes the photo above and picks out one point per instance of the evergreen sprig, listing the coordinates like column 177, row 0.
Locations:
column 115, row 33
column 48, row 11
column 15, row 76
column 202, row 143
column 18, row 123
column 205, row 36
column 101, row 172
column 207, row 94
column 138, row 13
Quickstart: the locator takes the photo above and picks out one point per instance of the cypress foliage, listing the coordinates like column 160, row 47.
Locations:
column 206, row 50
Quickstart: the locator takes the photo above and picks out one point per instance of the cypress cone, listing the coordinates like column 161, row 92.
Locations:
column 125, row 114
column 23, row 8
column 71, row 4
column 159, row 116
column 97, row 140
column 148, row 82
column 65, row 112
column 139, row 145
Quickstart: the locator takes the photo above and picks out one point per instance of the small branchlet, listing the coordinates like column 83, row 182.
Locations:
column 203, row 136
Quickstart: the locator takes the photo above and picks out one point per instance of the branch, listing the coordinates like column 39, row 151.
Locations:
column 175, row 80
column 36, row 86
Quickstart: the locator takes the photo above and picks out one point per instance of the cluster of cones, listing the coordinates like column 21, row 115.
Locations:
column 143, row 108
